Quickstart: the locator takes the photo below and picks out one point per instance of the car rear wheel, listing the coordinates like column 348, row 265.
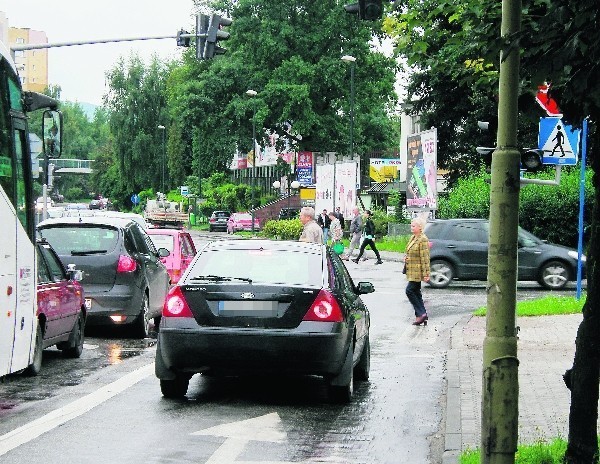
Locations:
column 141, row 326
column 176, row 388
column 554, row 275
column 361, row 371
column 75, row 350
column 36, row 365
column 343, row 393
column 441, row 273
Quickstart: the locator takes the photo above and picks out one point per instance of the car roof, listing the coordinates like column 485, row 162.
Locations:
column 458, row 220
column 264, row 244
column 99, row 220
column 165, row 231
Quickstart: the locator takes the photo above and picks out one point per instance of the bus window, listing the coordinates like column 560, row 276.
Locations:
column 22, row 180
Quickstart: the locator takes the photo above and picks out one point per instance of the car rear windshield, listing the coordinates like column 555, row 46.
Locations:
column 69, row 240
column 221, row 214
column 261, row 266
column 244, row 217
column 163, row 241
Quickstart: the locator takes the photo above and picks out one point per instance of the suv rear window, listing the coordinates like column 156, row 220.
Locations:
column 221, row 214
column 81, row 239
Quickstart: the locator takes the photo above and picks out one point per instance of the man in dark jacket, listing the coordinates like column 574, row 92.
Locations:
column 369, row 238
column 324, row 221
column 340, row 216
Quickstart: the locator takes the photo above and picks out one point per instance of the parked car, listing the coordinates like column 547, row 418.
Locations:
column 95, row 204
column 241, row 221
column 218, row 220
column 289, row 213
column 61, row 312
column 39, row 203
column 181, row 250
column 260, row 306
column 459, row 250
column 125, row 281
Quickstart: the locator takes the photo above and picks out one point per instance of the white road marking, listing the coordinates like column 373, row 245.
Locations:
column 72, row 410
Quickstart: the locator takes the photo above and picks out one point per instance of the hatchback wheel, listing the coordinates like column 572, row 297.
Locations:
column 75, row 350
column 441, row 273
column 343, row 393
column 554, row 275
column 361, row 371
column 141, row 326
column 176, row 388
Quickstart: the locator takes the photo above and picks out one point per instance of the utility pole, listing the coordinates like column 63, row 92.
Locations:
column 500, row 393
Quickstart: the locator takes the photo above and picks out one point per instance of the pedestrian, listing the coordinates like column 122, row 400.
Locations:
column 416, row 268
column 340, row 216
column 369, row 238
column 355, row 229
column 311, row 232
column 324, row 221
column 335, row 228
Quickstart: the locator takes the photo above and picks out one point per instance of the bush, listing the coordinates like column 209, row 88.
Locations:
column 74, row 193
column 549, row 212
column 285, row 229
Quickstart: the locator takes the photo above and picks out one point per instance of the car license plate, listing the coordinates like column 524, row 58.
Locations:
column 88, row 303
column 248, row 308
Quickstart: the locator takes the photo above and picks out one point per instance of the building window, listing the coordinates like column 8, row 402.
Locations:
column 33, row 67
column 19, row 53
column 33, row 80
column 20, row 40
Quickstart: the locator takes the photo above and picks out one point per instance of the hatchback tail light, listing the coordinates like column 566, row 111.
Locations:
column 126, row 264
column 175, row 304
column 325, row 308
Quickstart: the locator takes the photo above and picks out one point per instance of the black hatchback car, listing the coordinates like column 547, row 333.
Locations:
column 259, row 306
column 218, row 221
column 125, row 281
column 459, row 250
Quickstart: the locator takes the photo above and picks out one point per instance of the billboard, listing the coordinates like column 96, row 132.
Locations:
column 421, row 171
column 384, row 170
column 304, row 167
column 343, row 176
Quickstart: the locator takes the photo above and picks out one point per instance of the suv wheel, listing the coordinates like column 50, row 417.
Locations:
column 441, row 273
column 554, row 275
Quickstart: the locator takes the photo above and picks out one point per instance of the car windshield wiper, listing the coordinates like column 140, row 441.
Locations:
column 216, row 278
column 87, row 252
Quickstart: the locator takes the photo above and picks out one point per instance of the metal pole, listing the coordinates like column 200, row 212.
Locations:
column 500, row 392
column 163, row 160
column 352, row 111
column 581, row 206
column 253, row 183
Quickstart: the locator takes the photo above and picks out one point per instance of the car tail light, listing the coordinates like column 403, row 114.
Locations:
column 212, row 220
column 175, row 304
column 126, row 264
column 325, row 308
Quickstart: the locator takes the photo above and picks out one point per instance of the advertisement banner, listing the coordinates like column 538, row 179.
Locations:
column 384, row 170
column 324, row 188
column 304, row 168
column 345, row 187
column 421, row 171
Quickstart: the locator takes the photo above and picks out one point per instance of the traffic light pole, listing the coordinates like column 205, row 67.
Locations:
column 500, row 393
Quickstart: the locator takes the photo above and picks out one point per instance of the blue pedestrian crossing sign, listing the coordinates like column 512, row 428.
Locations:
column 559, row 141
column 135, row 199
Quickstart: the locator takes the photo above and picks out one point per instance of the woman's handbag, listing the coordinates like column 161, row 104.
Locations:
column 404, row 269
column 338, row 248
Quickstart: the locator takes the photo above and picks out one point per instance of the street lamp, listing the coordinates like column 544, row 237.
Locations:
column 290, row 185
column 252, row 93
column 163, row 129
column 350, row 59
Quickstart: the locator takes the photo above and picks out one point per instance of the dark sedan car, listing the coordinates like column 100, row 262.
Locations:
column 248, row 306
column 125, row 281
column 218, row 221
column 459, row 250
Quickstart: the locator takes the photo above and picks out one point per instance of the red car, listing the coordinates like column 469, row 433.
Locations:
column 241, row 221
column 181, row 250
column 61, row 308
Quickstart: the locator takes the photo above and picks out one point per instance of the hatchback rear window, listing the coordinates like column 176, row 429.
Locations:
column 261, row 266
column 163, row 241
column 221, row 214
column 83, row 239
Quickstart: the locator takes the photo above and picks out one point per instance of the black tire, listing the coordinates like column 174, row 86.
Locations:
column 342, row 394
column 36, row 365
column 554, row 275
column 176, row 388
column 141, row 326
column 361, row 370
column 157, row 323
column 77, row 337
column 441, row 273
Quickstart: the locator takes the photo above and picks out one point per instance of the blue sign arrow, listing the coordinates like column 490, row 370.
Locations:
column 135, row 199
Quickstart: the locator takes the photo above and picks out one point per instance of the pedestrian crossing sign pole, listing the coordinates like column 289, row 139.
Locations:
column 559, row 141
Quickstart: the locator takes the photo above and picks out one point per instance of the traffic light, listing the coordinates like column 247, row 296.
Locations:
column 531, row 159
column 201, row 30
column 183, row 41
column 215, row 34
column 369, row 10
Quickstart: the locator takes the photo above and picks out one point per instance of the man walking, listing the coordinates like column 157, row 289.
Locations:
column 340, row 216
column 356, row 226
column 324, row 222
column 311, row 231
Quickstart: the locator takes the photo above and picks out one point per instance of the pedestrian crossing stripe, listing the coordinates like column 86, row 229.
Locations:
column 559, row 141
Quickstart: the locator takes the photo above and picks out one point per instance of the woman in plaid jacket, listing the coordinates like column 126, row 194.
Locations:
column 417, row 269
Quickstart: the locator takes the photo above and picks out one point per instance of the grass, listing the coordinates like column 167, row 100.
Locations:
column 547, row 306
column 540, row 452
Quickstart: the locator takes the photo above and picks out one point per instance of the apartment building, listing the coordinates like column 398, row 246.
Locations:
column 31, row 64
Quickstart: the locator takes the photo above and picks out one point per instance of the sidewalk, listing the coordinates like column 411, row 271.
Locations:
column 546, row 348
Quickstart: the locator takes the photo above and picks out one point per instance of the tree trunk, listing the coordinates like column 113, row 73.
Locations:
column 583, row 378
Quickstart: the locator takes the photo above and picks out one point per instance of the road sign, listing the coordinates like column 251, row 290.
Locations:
column 546, row 101
column 184, row 190
column 559, row 141
column 135, row 199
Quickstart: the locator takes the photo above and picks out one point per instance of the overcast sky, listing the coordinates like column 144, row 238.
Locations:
column 80, row 70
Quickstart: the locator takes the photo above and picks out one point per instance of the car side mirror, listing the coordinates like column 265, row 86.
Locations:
column 163, row 252
column 365, row 287
column 74, row 274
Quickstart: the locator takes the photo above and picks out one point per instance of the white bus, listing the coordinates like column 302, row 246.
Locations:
column 18, row 277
